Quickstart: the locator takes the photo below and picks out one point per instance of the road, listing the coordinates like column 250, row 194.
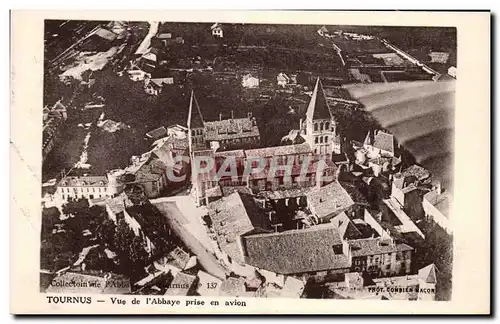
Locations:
column 190, row 233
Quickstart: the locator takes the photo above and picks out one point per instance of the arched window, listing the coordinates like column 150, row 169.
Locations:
column 321, row 139
column 327, row 126
column 193, row 132
column 326, row 139
column 315, row 127
column 316, row 140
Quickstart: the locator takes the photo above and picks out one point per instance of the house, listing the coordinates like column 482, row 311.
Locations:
column 323, row 31
column 320, row 125
column 217, row 30
column 316, row 252
column 155, row 86
column 436, row 205
column 167, row 39
column 137, row 74
column 157, row 133
column 282, row 79
column 87, row 187
column 347, row 229
column 232, row 217
column 234, row 287
column 328, row 201
column 232, row 133
column 249, row 81
column 177, row 131
column 421, row 286
column 383, row 144
column 380, row 256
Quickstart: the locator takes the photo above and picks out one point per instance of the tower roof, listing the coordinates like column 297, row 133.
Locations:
column 318, row 106
column 195, row 119
column 428, row 274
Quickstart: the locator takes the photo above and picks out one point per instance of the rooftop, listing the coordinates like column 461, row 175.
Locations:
column 295, row 251
column 84, row 181
column 303, row 148
column 157, row 133
column 384, row 141
column 318, row 107
column 234, row 216
column 329, row 200
column 373, row 246
column 231, row 128
column 347, row 229
column 233, row 287
column 417, row 171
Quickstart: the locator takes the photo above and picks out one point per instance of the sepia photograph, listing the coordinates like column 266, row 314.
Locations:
column 256, row 160
column 246, row 160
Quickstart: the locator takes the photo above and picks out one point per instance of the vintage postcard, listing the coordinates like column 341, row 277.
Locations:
column 265, row 162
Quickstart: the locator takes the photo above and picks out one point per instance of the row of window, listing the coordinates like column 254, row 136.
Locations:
column 195, row 132
column 84, row 189
column 91, row 196
column 323, row 126
column 321, row 139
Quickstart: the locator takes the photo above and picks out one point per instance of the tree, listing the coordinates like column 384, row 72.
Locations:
column 50, row 217
column 131, row 252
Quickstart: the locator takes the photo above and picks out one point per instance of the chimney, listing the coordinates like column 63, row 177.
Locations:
column 232, row 114
column 220, row 117
column 249, row 114
column 300, row 124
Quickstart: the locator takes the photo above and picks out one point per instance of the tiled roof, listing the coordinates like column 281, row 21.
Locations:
column 84, row 181
column 347, row 230
column 234, row 153
column 373, row 246
column 150, row 171
column 303, row 148
column 296, row 170
column 181, row 285
column 231, row 128
column 157, row 133
column 296, row 251
column 287, row 193
column 384, row 141
column 318, row 107
column 417, row 171
column 234, row 216
column 329, row 200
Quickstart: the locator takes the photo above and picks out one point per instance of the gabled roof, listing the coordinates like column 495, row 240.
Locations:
column 373, row 246
column 295, row 251
column 195, row 118
column 318, row 107
column 384, row 141
column 233, row 216
column 428, row 274
column 331, row 199
column 347, row 229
